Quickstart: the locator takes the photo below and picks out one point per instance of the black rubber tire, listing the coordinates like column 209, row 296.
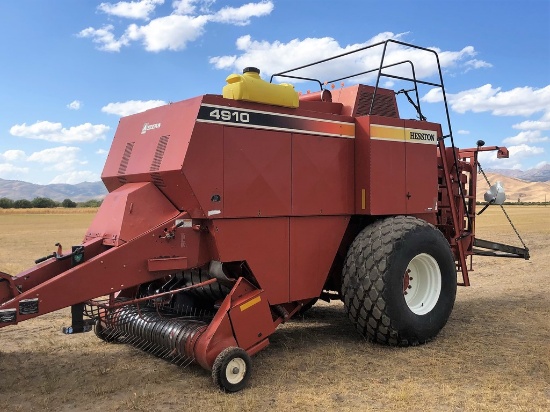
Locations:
column 226, row 379
column 105, row 334
column 373, row 281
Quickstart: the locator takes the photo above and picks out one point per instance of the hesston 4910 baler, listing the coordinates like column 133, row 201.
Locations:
column 227, row 215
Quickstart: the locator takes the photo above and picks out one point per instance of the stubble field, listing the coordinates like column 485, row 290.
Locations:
column 494, row 353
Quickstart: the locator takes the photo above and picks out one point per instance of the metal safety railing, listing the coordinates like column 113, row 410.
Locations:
column 461, row 231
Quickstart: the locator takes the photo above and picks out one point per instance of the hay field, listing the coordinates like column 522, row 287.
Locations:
column 493, row 355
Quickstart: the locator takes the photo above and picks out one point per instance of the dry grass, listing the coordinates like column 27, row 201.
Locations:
column 50, row 211
column 27, row 236
column 493, row 355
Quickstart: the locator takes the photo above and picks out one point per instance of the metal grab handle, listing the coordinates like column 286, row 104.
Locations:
column 42, row 259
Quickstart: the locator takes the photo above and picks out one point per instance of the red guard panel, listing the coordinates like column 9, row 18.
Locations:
column 322, row 175
column 380, row 187
column 203, row 169
column 264, row 244
column 421, row 166
column 129, row 211
column 256, row 168
column 149, row 145
column 251, row 320
column 314, row 242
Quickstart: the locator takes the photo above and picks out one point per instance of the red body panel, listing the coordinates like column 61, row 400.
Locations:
column 251, row 319
column 394, row 173
column 313, row 244
column 322, row 175
column 264, row 244
column 421, row 164
column 203, row 170
column 256, row 173
column 128, row 211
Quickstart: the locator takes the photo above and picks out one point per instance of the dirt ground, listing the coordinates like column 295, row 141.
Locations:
column 493, row 354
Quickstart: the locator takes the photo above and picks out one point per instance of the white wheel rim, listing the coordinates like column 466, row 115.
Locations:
column 235, row 370
column 422, row 284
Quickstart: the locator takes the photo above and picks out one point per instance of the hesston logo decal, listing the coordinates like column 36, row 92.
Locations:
column 148, row 126
column 422, row 136
column 397, row 134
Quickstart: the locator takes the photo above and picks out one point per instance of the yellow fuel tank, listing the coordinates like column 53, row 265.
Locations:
column 251, row 87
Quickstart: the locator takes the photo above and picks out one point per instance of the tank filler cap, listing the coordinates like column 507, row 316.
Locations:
column 251, row 70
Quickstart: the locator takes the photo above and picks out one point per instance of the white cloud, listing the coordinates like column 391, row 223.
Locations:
column 518, row 154
column 12, row 155
column 542, row 124
column 55, row 132
column 450, row 58
column 530, row 136
column 8, row 170
column 105, row 38
column 74, row 105
column 463, row 132
column 542, row 164
column 520, row 101
column 533, row 125
column 131, row 9
column 62, row 158
column 240, row 16
column 76, row 177
column 101, row 152
column 131, row 107
column 278, row 56
column 170, row 32
column 522, row 151
column 224, row 62
column 433, row 96
column 184, row 6
column 477, row 64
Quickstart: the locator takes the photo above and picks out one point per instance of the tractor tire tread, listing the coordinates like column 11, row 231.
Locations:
column 364, row 273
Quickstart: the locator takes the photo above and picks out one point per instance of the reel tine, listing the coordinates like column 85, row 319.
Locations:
column 161, row 330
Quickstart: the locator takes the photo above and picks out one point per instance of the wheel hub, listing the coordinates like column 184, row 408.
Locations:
column 235, row 370
column 422, row 284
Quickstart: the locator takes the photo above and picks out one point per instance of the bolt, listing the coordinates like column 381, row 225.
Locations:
column 235, row 370
column 410, row 278
column 409, row 287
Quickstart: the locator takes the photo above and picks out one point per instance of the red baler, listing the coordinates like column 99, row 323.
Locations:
column 227, row 215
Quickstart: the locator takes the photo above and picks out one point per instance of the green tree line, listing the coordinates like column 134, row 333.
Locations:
column 44, row 202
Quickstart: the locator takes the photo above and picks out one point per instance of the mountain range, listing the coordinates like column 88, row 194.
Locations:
column 538, row 174
column 517, row 190
column 16, row 189
column 532, row 185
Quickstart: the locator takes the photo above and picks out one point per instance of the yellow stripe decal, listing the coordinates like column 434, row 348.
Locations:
column 400, row 134
column 379, row 132
column 363, row 199
column 250, row 303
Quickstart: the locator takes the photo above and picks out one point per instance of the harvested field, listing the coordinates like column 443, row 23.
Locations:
column 493, row 355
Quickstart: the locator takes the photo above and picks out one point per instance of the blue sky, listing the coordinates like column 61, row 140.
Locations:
column 71, row 68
